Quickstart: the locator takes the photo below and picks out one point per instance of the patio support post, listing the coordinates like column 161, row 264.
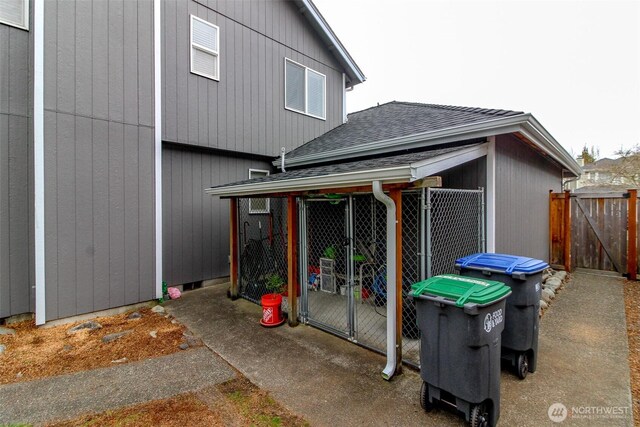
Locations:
column 396, row 196
column 233, row 247
column 632, row 235
column 292, row 259
column 390, row 368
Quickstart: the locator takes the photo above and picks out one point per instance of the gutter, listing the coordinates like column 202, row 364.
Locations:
column 390, row 369
column 524, row 123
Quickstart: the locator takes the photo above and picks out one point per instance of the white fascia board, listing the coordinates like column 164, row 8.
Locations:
column 441, row 163
column 319, row 20
column 535, row 132
column 347, row 179
column 418, row 140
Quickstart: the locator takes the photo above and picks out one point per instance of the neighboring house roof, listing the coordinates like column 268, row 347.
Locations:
column 602, row 164
column 396, row 126
column 394, row 169
column 602, row 188
column 311, row 12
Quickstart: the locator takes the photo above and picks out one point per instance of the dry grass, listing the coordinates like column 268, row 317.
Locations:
column 42, row 352
column 632, row 305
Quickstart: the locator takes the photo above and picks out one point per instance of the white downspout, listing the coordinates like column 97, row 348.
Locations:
column 282, row 153
column 390, row 369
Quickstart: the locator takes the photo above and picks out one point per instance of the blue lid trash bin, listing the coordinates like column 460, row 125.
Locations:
column 524, row 276
column 461, row 321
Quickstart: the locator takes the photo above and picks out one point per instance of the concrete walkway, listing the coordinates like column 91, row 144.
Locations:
column 582, row 363
column 68, row 396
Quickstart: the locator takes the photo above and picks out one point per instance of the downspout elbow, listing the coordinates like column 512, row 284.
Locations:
column 282, row 151
column 390, row 368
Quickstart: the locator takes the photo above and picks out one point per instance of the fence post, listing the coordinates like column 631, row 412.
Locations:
column 233, row 247
column 567, row 230
column 292, row 259
column 632, row 235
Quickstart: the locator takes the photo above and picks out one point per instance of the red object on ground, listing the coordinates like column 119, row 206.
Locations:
column 271, row 310
column 365, row 293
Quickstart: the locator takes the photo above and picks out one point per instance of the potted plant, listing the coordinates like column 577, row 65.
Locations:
column 272, row 302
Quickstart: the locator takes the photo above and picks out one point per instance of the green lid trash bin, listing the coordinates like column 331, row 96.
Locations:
column 461, row 321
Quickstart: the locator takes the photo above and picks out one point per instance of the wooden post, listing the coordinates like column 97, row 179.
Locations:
column 292, row 259
column 632, row 235
column 396, row 195
column 233, row 247
column 567, row 230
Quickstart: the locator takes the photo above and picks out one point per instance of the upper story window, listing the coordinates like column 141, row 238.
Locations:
column 15, row 13
column 258, row 206
column 304, row 90
column 205, row 48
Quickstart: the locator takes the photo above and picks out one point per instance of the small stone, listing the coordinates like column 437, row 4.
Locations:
column 124, row 359
column 90, row 326
column 158, row 309
column 543, row 305
column 115, row 336
column 2, row 348
column 67, row 347
column 134, row 316
column 184, row 346
column 7, row 331
column 545, row 276
column 154, row 334
column 174, row 321
column 19, row 375
column 562, row 275
column 553, row 283
column 547, row 295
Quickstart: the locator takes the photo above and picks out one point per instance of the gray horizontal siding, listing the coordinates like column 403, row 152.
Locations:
column 99, row 155
column 523, row 181
column 195, row 225
column 16, row 151
column 244, row 111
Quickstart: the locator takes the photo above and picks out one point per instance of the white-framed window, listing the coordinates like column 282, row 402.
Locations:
column 304, row 90
column 15, row 13
column 205, row 48
column 258, row 206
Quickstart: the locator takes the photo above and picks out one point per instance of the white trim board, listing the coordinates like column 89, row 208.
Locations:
column 491, row 196
column 157, row 98
column 38, row 159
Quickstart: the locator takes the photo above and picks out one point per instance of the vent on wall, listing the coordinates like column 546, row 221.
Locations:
column 205, row 48
column 15, row 13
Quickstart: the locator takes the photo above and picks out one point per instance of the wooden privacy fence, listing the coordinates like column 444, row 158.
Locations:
column 597, row 231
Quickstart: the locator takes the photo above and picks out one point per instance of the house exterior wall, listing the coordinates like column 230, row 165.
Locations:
column 196, row 225
column 244, row 111
column 468, row 176
column 16, row 171
column 523, row 181
column 99, row 155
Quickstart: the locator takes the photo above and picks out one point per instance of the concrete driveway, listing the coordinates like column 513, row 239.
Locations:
column 582, row 363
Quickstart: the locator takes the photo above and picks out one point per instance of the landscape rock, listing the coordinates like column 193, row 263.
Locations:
column 553, row 283
column 154, row 334
column 562, row 275
column 67, row 347
column 191, row 340
column 545, row 276
column 158, row 309
column 134, row 316
column 547, row 295
column 90, row 326
column 124, row 359
column 184, row 346
column 2, row 348
column 115, row 336
column 7, row 331
column 543, row 305
column 174, row 321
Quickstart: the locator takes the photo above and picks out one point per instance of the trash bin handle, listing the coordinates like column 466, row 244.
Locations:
column 513, row 265
column 470, row 260
column 463, row 299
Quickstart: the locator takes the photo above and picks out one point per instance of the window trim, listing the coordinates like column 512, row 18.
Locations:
column 205, row 49
column 25, row 11
column 267, row 199
column 306, row 105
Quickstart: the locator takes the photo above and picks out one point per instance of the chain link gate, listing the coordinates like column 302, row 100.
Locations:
column 262, row 245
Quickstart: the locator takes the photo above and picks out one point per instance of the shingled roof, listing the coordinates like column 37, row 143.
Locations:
column 396, row 119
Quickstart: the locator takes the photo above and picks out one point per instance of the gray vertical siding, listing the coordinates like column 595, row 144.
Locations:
column 16, row 154
column 523, row 180
column 244, row 111
column 99, row 155
column 469, row 176
column 196, row 226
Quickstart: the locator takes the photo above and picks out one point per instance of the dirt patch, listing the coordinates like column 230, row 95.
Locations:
column 235, row 403
column 632, row 306
column 182, row 410
column 42, row 352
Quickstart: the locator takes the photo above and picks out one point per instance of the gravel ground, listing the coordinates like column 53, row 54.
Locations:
column 632, row 304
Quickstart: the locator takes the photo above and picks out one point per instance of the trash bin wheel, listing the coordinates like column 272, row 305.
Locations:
column 424, row 397
column 523, row 365
column 479, row 416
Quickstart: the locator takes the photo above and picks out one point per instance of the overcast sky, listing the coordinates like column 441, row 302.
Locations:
column 574, row 64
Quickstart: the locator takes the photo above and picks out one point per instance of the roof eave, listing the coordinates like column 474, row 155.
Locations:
column 312, row 13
